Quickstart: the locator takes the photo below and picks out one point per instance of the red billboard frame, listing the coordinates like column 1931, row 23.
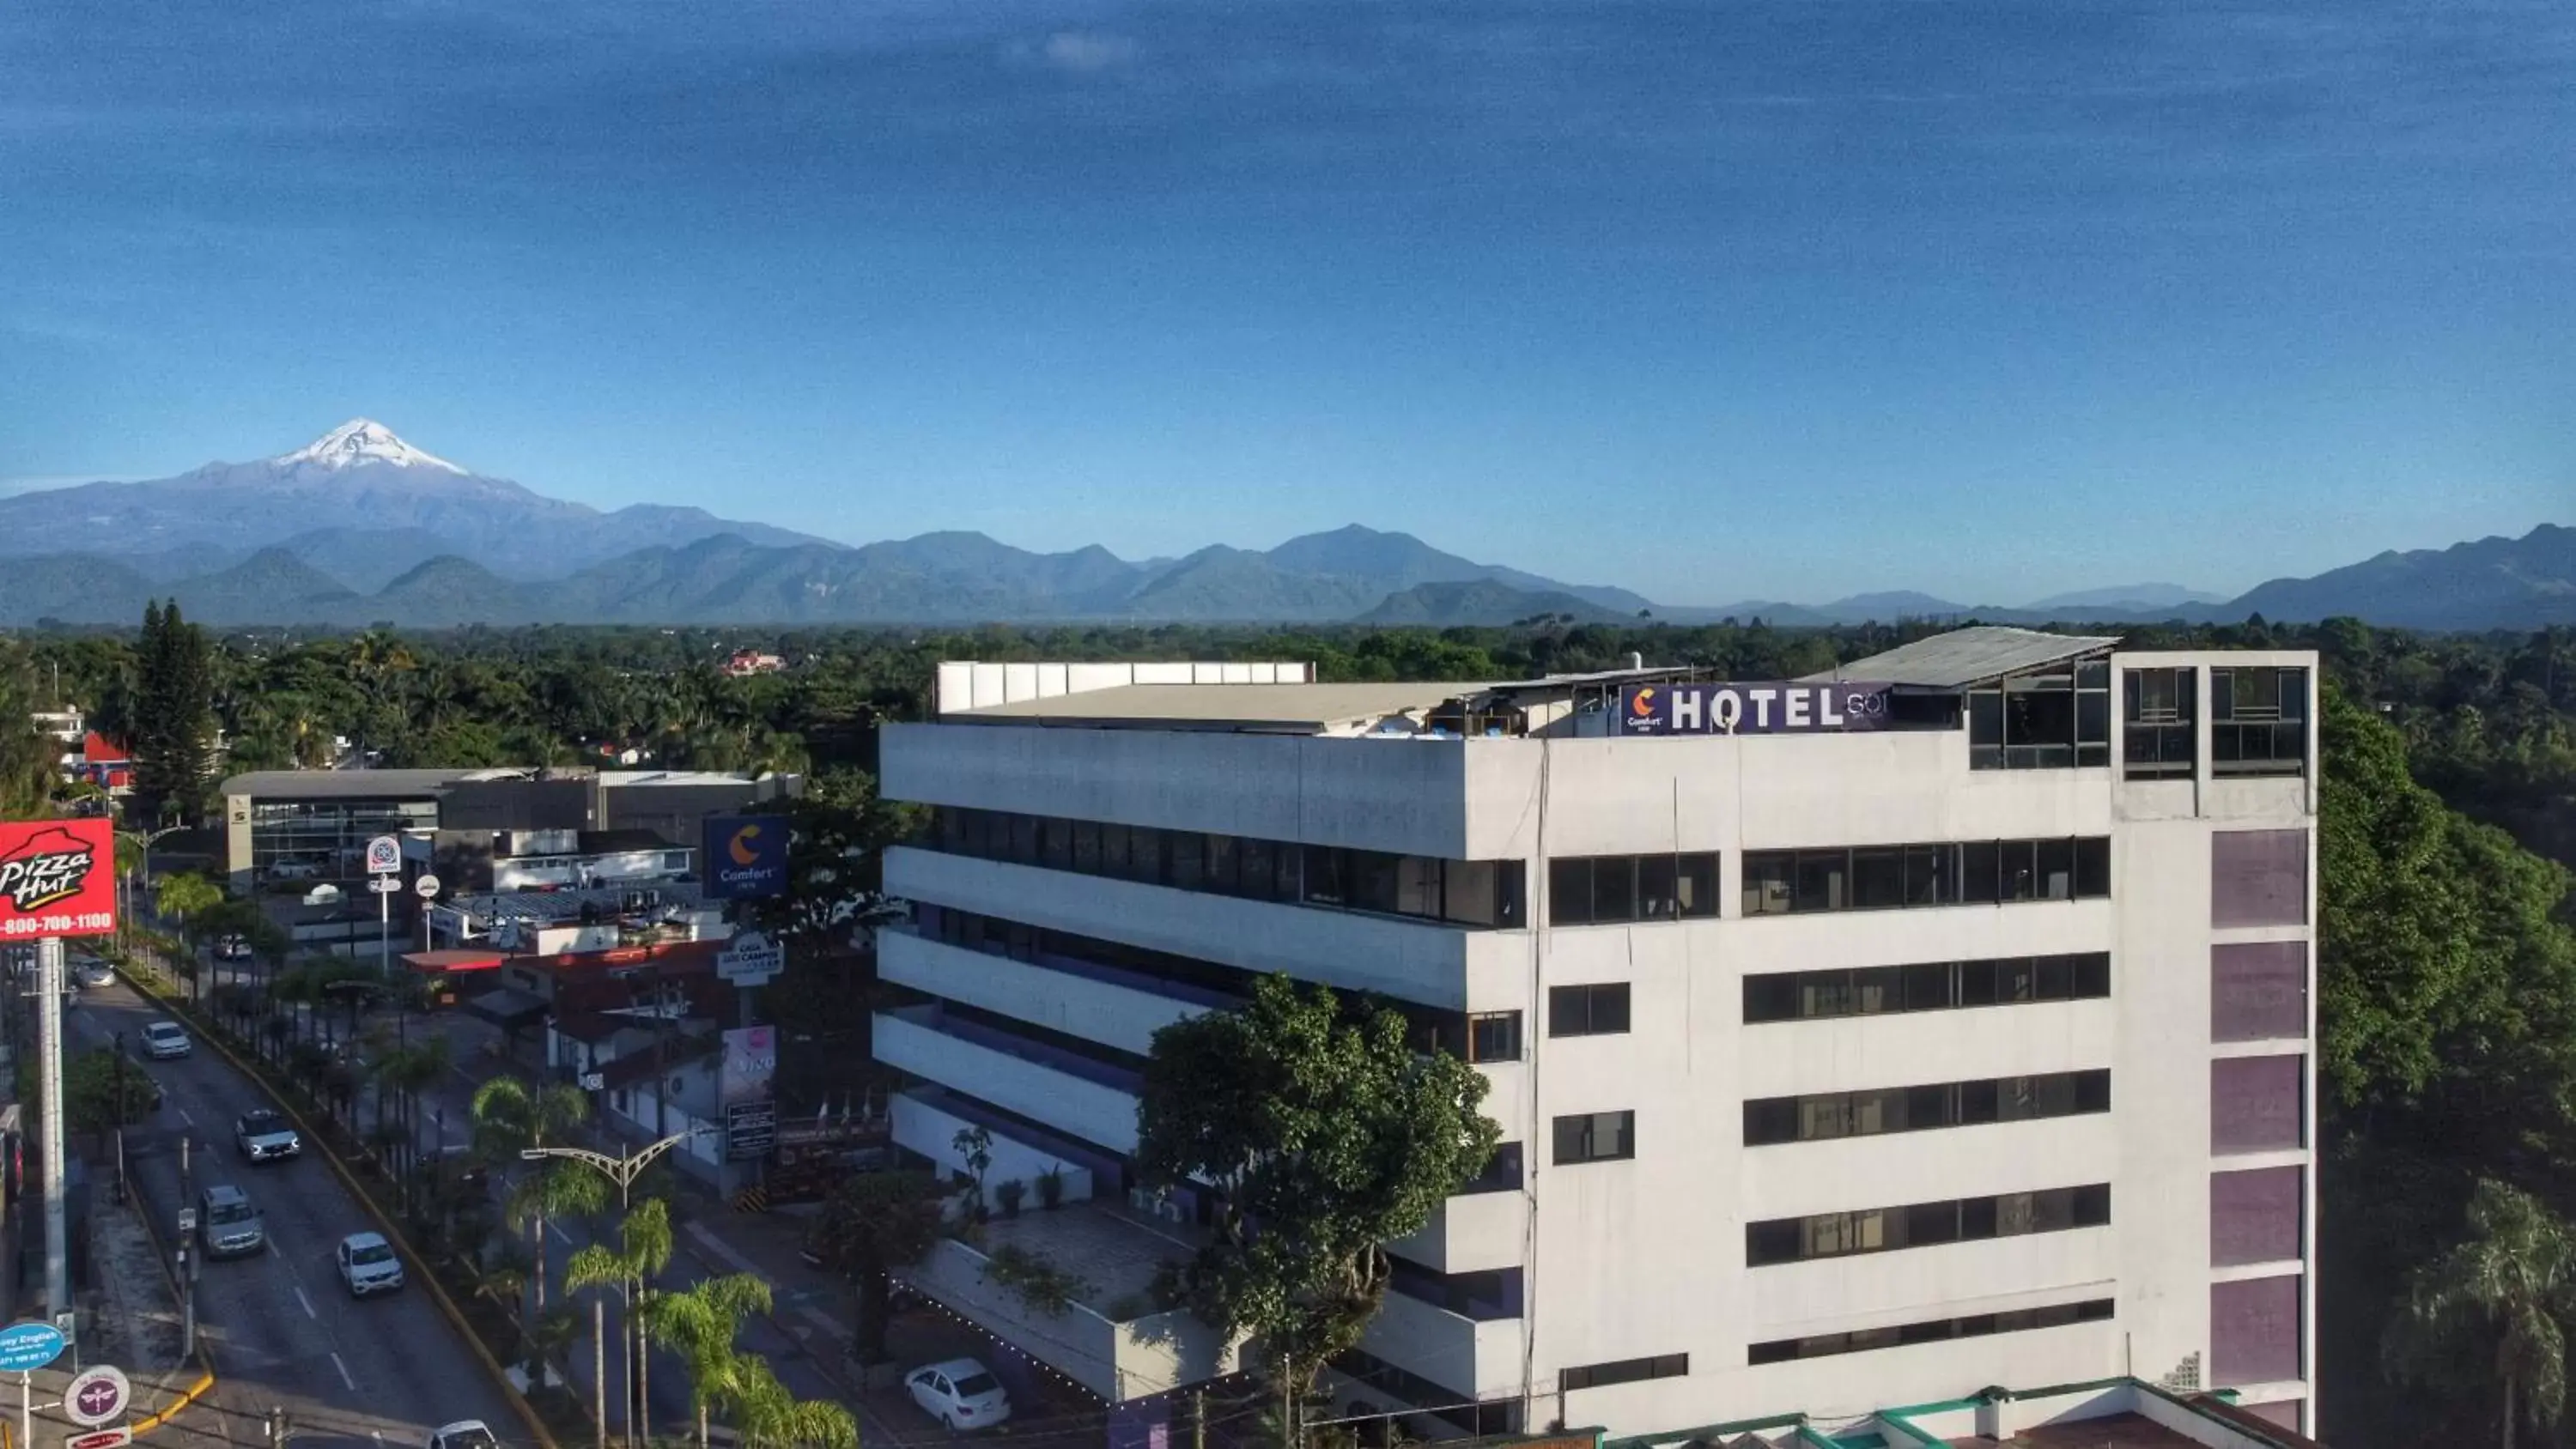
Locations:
column 57, row 878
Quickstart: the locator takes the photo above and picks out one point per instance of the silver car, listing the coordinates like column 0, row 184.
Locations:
column 228, row 1223
column 264, row 1136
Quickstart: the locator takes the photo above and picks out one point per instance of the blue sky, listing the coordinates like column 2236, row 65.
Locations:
column 1714, row 300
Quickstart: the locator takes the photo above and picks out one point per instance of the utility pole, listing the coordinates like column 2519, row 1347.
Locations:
column 49, row 1068
column 599, row 1365
column 187, row 1260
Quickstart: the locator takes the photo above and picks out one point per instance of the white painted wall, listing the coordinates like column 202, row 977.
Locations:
column 1119, row 1016
column 933, row 1133
column 1100, row 1115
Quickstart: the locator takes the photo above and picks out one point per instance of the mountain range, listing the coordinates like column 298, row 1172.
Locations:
column 361, row 527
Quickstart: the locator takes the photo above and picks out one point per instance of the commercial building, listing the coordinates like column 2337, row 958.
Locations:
column 314, row 825
column 1874, row 1038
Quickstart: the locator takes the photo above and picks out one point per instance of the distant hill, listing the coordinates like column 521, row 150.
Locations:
column 1482, row 601
column 2494, row 583
column 359, row 526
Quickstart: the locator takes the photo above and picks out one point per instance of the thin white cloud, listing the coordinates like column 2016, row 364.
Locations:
column 1086, row 51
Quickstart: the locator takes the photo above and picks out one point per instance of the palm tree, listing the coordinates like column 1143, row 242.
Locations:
column 511, row 1116
column 2493, row 1306
column 643, row 1251
column 767, row 1416
column 700, row 1323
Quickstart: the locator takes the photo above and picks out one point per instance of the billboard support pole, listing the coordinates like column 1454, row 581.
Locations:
column 49, row 1067
column 384, row 934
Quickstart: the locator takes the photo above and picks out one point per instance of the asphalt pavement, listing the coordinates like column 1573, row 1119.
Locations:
column 285, row 1332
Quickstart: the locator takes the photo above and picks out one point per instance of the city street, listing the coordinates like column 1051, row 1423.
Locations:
column 284, row 1330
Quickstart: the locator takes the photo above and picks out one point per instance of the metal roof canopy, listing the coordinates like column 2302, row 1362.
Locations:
column 1602, row 676
column 1270, row 708
column 1965, row 657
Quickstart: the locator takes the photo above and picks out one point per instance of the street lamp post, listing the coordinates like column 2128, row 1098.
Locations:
column 623, row 1171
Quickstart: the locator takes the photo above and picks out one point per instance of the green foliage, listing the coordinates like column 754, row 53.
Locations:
column 1324, row 1126
column 2490, row 1312
column 1034, row 1278
column 102, row 1090
column 172, row 733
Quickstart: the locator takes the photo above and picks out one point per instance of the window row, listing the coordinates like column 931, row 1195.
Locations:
column 1925, row 1224
column 1462, row 892
column 1625, row 1371
column 1957, row 873
column 2054, row 719
column 1771, row 1121
column 1938, row 1330
column 1484, row 1296
column 1596, row 890
column 1925, row 986
column 2258, row 721
column 1432, row 1028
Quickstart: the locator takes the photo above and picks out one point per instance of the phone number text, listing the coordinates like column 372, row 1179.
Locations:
column 58, row 925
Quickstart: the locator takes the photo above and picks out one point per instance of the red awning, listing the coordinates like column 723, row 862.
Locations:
column 450, row 962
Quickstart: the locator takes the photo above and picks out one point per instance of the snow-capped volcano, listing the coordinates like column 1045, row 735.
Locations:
column 361, row 440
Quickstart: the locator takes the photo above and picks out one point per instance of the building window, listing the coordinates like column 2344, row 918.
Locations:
column 1891, row 877
column 1598, row 890
column 1599, row 1010
column 1924, row 986
column 1494, row 1036
column 2058, row 718
column 1461, row 892
column 1485, row 1296
column 2159, row 710
column 1772, row 1121
column 1625, row 1371
column 1502, row 1172
column 2258, row 721
column 1925, row 1224
column 1938, row 1330
column 1595, row 1137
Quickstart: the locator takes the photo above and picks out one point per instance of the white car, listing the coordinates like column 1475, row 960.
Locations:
column 94, row 973
column 961, row 1393
column 463, row 1434
column 265, row 1136
column 166, row 1041
column 368, row 1265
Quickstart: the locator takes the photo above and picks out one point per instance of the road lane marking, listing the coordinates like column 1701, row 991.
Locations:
column 560, row 1235
column 184, row 1117
column 344, row 1373
column 308, row 1304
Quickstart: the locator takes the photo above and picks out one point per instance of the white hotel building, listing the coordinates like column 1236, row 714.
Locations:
column 1837, row 1069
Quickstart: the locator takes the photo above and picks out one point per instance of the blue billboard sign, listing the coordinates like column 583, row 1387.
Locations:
column 746, row 857
column 1778, row 707
column 28, row 1346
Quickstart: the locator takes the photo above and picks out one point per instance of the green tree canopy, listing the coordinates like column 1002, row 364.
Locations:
column 1324, row 1126
column 873, row 1223
column 2490, row 1312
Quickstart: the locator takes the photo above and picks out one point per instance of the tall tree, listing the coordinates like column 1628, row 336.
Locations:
column 1327, row 1129
column 174, row 716
column 874, row 1223
column 2492, row 1309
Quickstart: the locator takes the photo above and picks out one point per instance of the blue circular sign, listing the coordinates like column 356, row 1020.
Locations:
column 29, row 1345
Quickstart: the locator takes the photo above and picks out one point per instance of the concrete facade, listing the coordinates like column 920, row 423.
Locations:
column 1646, row 1257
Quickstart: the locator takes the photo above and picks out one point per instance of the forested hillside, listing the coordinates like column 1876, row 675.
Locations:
column 2448, row 967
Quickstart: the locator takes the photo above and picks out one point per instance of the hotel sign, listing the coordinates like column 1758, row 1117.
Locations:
column 1777, row 707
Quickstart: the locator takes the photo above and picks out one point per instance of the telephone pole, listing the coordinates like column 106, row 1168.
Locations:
column 49, row 1078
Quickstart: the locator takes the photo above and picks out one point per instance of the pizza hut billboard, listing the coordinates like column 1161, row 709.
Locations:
column 57, row 878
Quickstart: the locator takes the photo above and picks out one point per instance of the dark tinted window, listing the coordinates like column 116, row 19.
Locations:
column 1595, row 1010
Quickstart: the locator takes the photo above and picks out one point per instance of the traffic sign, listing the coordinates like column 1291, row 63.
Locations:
column 100, row 1438
column 97, row 1396
column 187, row 1221
column 384, row 855
column 385, row 885
column 427, row 886
column 750, row 959
column 29, row 1345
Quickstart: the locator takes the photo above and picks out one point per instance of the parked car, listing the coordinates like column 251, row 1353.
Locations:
column 463, row 1434
column 228, row 1223
column 166, row 1041
column 264, row 1136
column 960, row 1393
column 368, row 1265
column 294, row 870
